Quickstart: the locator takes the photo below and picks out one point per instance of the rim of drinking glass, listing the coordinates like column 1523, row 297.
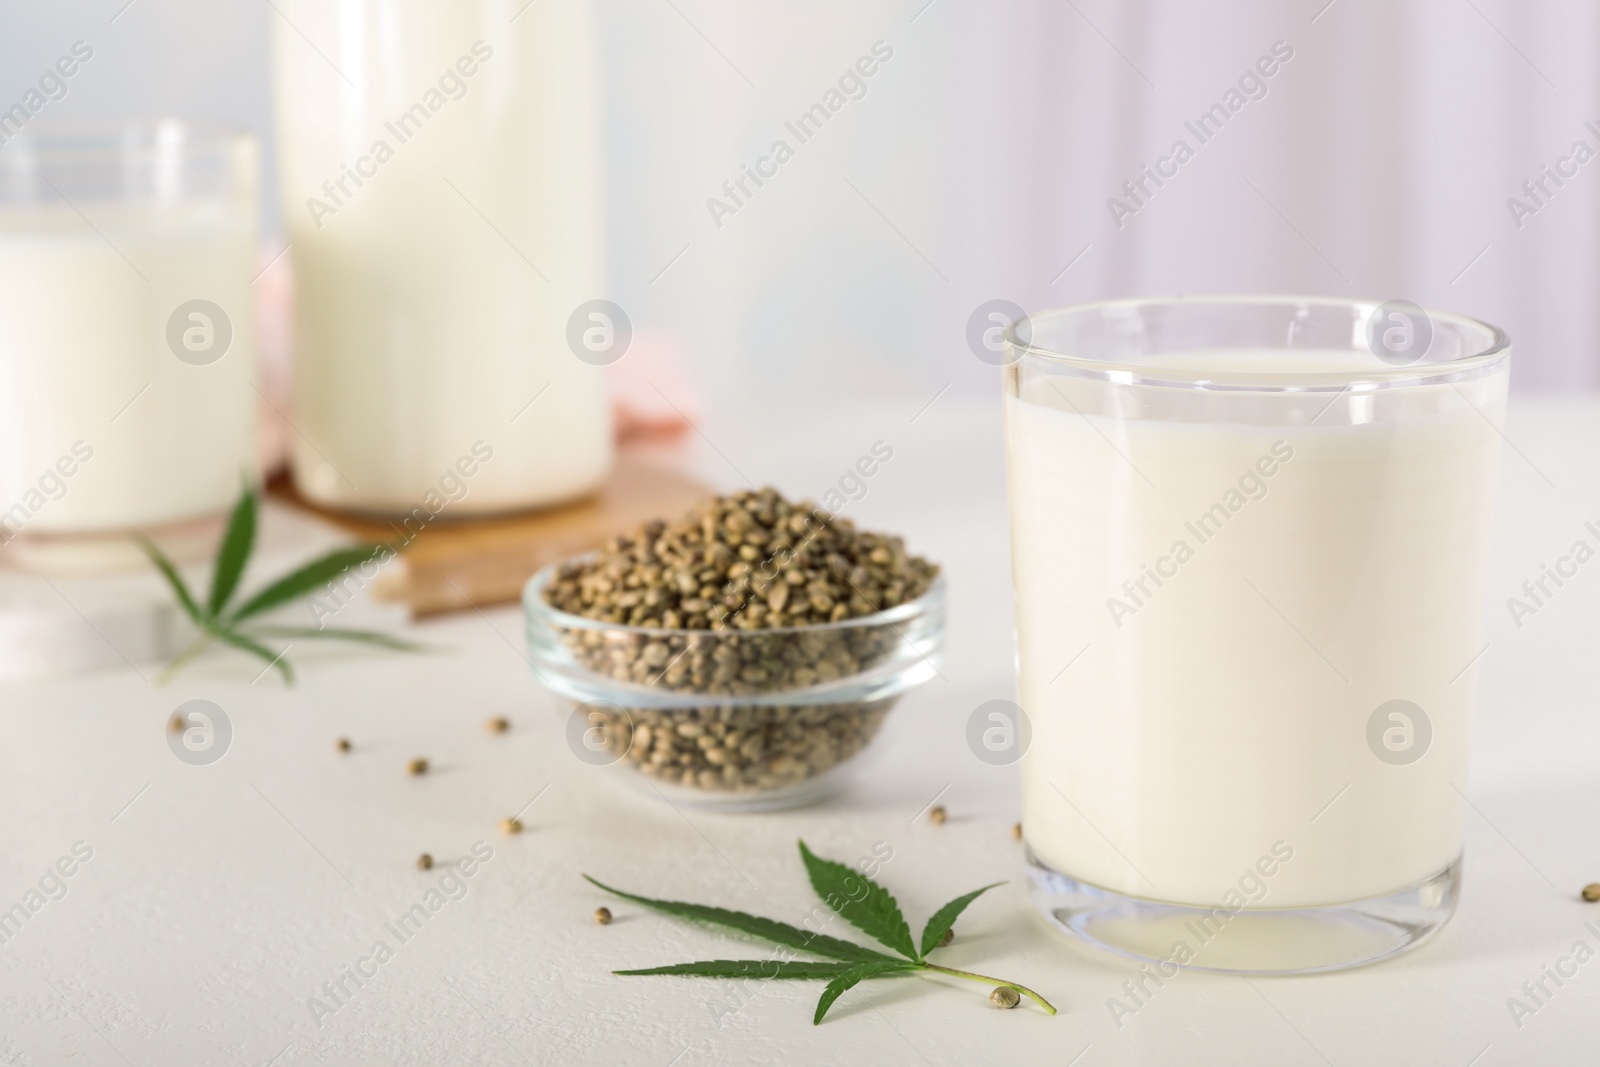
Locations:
column 71, row 138
column 1497, row 350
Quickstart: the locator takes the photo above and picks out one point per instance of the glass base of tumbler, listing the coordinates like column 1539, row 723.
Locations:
column 1260, row 942
column 109, row 552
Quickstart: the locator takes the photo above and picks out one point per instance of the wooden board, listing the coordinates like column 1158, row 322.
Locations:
column 466, row 563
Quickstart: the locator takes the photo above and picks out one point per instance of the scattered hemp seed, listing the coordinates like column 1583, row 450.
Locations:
column 498, row 726
column 1016, row 831
column 344, row 744
column 417, row 766
column 424, row 862
column 1005, row 997
column 937, row 815
column 949, row 936
column 1591, row 892
column 602, row 916
column 511, row 826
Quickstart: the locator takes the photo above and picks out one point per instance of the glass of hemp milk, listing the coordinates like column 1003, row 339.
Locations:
column 127, row 332
column 1248, row 538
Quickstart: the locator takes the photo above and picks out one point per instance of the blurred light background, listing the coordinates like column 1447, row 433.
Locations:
column 980, row 161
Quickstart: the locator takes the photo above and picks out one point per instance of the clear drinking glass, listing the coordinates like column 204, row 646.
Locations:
column 442, row 193
column 1248, row 538
column 127, row 333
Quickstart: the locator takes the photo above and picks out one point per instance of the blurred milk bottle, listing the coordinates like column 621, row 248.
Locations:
column 440, row 168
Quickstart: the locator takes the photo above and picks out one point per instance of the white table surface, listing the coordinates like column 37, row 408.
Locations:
column 220, row 898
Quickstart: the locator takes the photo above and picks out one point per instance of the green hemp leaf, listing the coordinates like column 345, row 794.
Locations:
column 858, row 900
column 217, row 623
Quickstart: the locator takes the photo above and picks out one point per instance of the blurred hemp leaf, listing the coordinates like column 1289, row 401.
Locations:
column 216, row 622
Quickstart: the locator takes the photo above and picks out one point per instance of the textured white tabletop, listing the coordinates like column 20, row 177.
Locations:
column 218, row 900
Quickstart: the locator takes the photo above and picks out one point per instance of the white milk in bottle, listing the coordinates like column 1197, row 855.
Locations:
column 442, row 196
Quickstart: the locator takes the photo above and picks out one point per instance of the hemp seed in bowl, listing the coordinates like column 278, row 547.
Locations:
column 743, row 655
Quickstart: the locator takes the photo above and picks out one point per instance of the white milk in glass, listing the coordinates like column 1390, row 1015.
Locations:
column 1240, row 599
column 104, row 426
column 442, row 197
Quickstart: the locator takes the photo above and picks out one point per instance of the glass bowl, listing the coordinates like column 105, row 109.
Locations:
column 749, row 720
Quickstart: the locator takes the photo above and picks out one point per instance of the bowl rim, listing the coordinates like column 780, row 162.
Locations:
column 535, row 606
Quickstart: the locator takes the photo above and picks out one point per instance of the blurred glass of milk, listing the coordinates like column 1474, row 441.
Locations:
column 127, row 340
column 440, row 168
